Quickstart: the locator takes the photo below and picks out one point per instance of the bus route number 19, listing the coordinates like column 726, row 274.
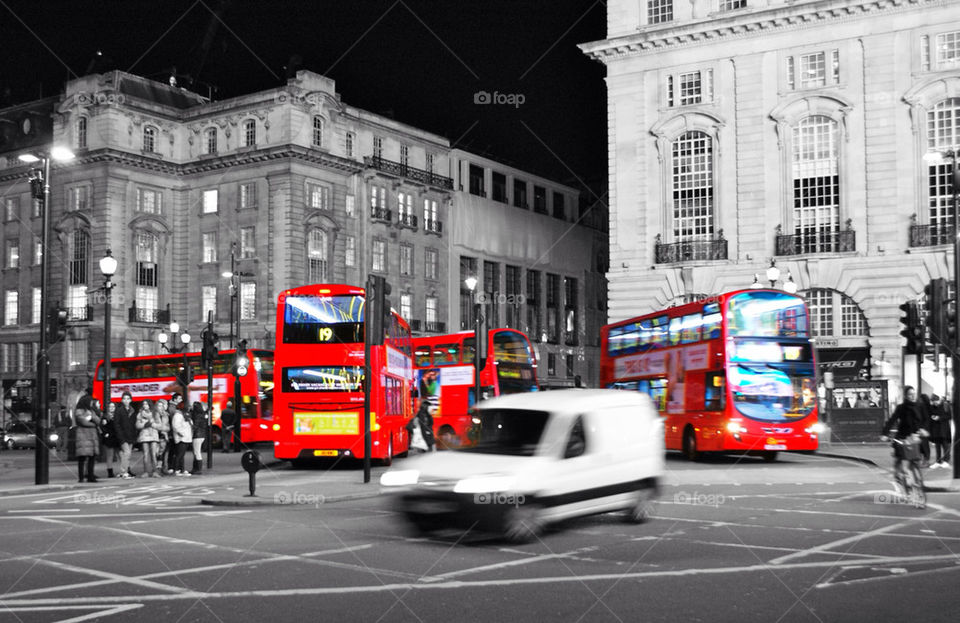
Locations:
column 325, row 334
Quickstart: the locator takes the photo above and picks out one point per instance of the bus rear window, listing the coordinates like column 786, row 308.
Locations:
column 446, row 354
column 767, row 314
column 323, row 379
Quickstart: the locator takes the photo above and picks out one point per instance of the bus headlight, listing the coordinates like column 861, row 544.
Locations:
column 400, row 478
column 736, row 428
column 276, row 427
column 817, row 428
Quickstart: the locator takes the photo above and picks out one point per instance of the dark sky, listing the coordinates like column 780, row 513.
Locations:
column 420, row 60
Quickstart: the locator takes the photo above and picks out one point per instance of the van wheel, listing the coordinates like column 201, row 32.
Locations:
column 523, row 523
column 769, row 456
column 422, row 525
column 642, row 509
column 690, row 445
column 11, row 445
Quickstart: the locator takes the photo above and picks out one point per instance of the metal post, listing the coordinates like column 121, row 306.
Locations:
column 234, row 295
column 237, row 409
column 955, row 355
column 368, row 324
column 477, row 325
column 210, row 400
column 107, row 286
column 42, row 417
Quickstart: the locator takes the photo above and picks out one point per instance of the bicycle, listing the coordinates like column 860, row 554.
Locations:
column 909, row 482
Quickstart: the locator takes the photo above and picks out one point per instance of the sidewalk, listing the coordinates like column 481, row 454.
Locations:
column 881, row 455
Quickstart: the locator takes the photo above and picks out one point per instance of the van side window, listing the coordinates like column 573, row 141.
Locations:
column 577, row 443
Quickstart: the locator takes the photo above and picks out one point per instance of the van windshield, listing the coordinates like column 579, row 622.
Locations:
column 515, row 432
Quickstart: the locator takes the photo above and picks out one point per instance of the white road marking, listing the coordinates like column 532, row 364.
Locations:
column 115, row 577
column 822, row 548
column 511, row 563
column 46, row 510
column 99, row 611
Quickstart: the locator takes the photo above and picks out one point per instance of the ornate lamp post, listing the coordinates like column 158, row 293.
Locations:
column 108, row 267
column 471, row 283
column 40, row 190
column 773, row 274
column 184, row 337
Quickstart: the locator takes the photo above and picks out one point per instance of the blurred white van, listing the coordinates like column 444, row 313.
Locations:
column 539, row 458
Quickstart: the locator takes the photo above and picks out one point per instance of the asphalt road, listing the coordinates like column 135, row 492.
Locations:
column 803, row 539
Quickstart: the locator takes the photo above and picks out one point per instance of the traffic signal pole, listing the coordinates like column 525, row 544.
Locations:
column 955, row 343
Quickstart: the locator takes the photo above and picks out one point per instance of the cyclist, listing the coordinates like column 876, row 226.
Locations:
column 908, row 419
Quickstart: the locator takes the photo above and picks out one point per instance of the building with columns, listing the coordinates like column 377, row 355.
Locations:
column 284, row 187
column 811, row 134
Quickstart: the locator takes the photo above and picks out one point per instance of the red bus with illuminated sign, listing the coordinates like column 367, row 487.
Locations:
column 733, row 373
column 445, row 375
column 319, row 393
column 154, row 376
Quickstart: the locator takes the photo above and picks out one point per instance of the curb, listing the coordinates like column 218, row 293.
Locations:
column 847, row 457
column 37, row 489
column 271, row 501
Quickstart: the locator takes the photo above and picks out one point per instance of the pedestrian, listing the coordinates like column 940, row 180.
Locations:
column 924, row 405
column 173, row 405
column 87, row 439
column 62, row 424
column 862, row 402
column 940, row 432
column 148, row 424
column 125, row 427
column 165, row 443
column 908, row 420
column 420, row 428
column 228, row 424
column 109, row 443
column 181, row 435
column 201, row 431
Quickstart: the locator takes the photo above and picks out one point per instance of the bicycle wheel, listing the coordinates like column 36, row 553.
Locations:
column 917, row 495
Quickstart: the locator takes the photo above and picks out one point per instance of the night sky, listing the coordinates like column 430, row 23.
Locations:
column 420, row 61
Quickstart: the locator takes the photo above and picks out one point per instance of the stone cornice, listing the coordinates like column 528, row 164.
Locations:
column 739, row 24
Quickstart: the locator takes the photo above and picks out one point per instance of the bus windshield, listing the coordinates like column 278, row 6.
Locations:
column 515, row 363
column 310, row 319
column 767, row 314
column 772, row 393
column 508, row 431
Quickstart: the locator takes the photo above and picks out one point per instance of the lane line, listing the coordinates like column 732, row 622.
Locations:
column 114, row 577
column 98, row 613
column 824, row 547
column 512, row 563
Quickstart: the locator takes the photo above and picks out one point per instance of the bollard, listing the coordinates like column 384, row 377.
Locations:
column 251, row 463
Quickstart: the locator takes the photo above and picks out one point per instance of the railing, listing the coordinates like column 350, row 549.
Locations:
column 411, row 173
column 931, row 235
column 435, row 326
column 408, row 220
column 433, row 226
column 813, row 241
column 381, row 214
column 149, row 315
column 79, row 314
column 690, row 250
column 415, row 324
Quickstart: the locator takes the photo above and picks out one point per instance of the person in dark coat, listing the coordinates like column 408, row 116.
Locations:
column 228, row 424
column 907, row 418
column 940, row 432
column 87, row 438
column 125, row 426
column 201, row 431
column 424, row 421
column 109, row 444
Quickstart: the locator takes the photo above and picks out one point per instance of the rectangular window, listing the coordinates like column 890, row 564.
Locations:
column 732, row 5
column 405, row 209
column 430, row 261
column 317, row 256
column 925, row 53
column 835, row 65
column 248, row 301
column 499, row 187
column 569, row 365
column 948, row 49
column 513, row 297
column 406, row 260
column 378, row 201
column 378, row 147
column 146, row 260
column 12, row 209
column 37, row 251
column 208, row 302
column 79, row 258
column 250, row 133
column 212, row 141
column 248, row 195
column 13, row 254
column 520, row 194
column 476, row 181
column 319, row 196
column 659, row 11
column 468, row 268
column 553, row 308
column 148, row 201
column 570, row 324
column 692, row 186
column 690, row 88
column 36, row 309
column 431, row 162
column 248, row 242
column 77, row 302
column 318, row 131
column 350, row 205
column 77, row 198
column 349, row 140
column 430, row 222
column 350, row 251
column 11, row 308
column 552, row 364
column 406, row 305
column 813, row 70
column 380, row 256
column 533, row 304
column 81, row 133
column 539, row 199
column 431, row 315
column 76, row 354
column 404, row 155
column 149, row 139
column 208, row 242
column 210, row 201
column 559, row 209
column 491, row 287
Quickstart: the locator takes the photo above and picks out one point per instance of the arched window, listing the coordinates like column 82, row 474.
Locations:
column 211, row 140
column 81, row 133
column 317, row 131
column 943, row 134
column 149, row 139
column 693, row 186
column 317, row 254
column 816, row 185
column 249, row 133
column 834, row 314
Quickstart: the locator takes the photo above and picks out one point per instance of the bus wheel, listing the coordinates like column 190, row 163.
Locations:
column 690, row 445
column 769, row 456
column 387, row 461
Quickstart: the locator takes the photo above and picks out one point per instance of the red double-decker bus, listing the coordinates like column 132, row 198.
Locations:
column 319, row 392
column 734, row 373
column 155, row 376
column 445, row 375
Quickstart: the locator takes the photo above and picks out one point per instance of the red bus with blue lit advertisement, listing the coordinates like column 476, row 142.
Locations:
column 445, row 376
column 733, row 373
column 319, row 386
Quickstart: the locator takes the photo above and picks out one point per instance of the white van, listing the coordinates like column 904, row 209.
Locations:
column 539, row 458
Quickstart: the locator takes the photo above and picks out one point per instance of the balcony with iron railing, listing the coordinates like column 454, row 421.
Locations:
column 690, row 250
column 80, row 314
column 148, row 315
column 433, row 226
column 408, row 220
column 810, row 241
column 930, row 235
column 427, row 326
column 411, row 173
column 381, row 214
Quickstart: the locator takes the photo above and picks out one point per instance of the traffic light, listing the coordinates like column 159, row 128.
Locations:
column 936, row 292
column 185, row 375
column 913, row 330
column 56, row 324
column 378, row 308
column 210, row 350
column 949, row 324
column 240, row 362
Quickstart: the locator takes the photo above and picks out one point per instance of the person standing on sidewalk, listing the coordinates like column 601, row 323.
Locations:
column 228, row 423
column 147, row 423
column 173, row 405
column 165, row 443
column 201, row 431
column 940, row 432
column 125, row 426
column 87, row 439
column 181, row 435
column 109, row 444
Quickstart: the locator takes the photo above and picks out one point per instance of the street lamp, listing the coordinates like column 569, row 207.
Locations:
column 184, row 337
column 756, row 285
column 471, row 283
column 108, row 267
column 790, row 286
column 773, row 274
column 40, row 190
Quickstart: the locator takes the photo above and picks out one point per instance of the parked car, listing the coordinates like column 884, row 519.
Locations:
column 21, row 435
column 539, row 458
